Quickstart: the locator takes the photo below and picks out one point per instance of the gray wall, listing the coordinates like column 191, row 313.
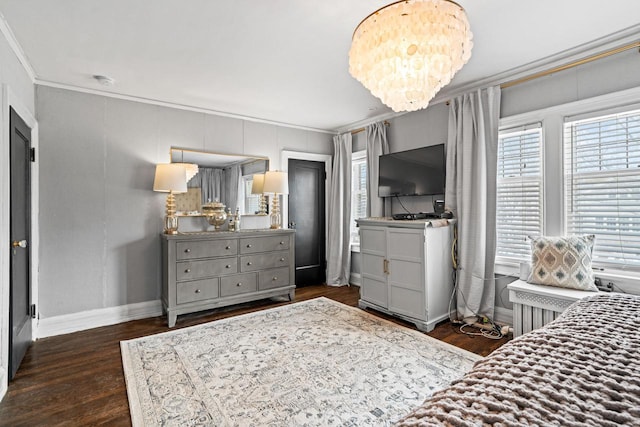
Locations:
column 99, row 219
column 428, row 127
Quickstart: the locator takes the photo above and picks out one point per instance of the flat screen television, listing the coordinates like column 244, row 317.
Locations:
column 419, row 172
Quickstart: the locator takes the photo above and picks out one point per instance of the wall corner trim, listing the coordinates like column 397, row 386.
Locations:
column 74, row 322
column 5, row 29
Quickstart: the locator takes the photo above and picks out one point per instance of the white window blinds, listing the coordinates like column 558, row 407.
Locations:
column 358, row 192
column 519, row 191
column 602, row 185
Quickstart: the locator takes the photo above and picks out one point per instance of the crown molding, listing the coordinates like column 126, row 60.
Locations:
column 16, row 48
column 177, row 106
column 612, row 41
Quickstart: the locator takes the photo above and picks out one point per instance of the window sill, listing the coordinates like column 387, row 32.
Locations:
column 507, row 268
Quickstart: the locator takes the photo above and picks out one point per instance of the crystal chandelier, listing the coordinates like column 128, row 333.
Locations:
column 407, row 51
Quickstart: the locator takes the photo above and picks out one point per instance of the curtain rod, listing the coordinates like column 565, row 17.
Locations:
column 353, row 132
column 571, row 65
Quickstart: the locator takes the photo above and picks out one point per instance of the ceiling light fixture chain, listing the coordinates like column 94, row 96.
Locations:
column 405, row 52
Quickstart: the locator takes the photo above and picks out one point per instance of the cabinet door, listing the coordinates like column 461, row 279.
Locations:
column 405, row 252
column 373, row 247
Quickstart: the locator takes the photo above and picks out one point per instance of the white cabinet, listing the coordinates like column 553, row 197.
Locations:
column 406, row 269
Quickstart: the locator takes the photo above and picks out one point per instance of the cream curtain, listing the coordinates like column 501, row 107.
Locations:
column 471, row 196
column 377, row 144
column 339, row 253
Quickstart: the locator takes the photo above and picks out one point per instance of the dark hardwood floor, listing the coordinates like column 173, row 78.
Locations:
column 77, row 379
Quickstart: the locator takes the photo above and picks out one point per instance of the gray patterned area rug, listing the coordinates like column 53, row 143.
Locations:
column 312, row 363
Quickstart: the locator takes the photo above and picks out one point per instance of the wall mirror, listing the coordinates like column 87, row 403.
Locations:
column 226, row 178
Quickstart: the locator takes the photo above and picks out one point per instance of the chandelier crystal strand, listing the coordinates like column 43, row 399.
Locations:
column 407, row 51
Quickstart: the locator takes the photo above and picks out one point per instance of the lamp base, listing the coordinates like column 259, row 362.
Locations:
column 171, row 224
column 276, row 218
column 170, row 219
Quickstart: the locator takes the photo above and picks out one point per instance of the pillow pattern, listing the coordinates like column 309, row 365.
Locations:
column 564, row 262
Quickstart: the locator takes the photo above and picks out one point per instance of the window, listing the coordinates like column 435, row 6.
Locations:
column 358, row 192
column 602, row 185
column 251, row 201
column 519, row 191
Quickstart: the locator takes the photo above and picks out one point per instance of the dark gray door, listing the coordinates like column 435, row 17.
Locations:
column 307, row 216
column 20, row 229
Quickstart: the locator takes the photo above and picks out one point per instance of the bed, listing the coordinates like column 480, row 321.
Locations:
column 582, row 369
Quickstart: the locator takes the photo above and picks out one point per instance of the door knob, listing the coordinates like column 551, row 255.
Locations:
column 21, row 243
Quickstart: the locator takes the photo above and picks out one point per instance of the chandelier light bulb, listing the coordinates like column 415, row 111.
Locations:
column 407, row 51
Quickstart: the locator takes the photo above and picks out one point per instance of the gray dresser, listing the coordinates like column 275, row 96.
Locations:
column 202, row 271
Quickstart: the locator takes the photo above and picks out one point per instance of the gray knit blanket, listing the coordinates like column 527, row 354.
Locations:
column 583, row 369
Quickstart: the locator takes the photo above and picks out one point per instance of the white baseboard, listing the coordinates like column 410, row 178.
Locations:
column 4, row 383
column 355, row 279
column 503, row 315
column 81, row 321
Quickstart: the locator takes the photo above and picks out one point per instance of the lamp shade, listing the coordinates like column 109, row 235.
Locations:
column 276, row 182
column 257, row 186
column 170, row 177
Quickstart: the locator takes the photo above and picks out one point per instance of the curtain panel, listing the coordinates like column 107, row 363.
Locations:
column 339, row 262
column 471, row 196
column 377, row 144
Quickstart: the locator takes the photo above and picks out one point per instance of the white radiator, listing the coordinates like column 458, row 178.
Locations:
column 536, row 305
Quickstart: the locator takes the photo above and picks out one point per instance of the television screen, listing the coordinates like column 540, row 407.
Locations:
column 419, row 172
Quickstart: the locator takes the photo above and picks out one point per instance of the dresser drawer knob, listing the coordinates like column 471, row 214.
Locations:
column 239, row 284
column 187, row 250
column 249, row 245
column 275, row 278
column 228, row 247
column 227, row 266
column 282, row 259
column 188, row 270
column 198, row 291
column 282, row 243
column 249, row 263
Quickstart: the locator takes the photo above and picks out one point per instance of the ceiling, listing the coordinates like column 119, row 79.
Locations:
column 281, row 61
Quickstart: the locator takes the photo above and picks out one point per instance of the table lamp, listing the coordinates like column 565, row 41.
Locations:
column 276, row 182
column 171, row 178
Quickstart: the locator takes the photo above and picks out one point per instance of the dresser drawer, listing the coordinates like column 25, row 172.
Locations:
column 190, row 270
column 252, row 245
column 197, row 290
column 264, row 261
column 273, row 278
column 238, row 284
column 206, row 249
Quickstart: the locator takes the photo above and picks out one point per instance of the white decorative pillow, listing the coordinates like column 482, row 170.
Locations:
column 564, row 262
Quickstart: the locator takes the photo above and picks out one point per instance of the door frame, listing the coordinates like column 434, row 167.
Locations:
column 10, row 99
column 314, row 157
